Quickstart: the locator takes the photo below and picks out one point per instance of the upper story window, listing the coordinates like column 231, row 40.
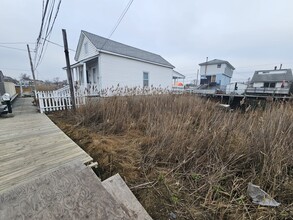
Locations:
column 145, row 79
column 219, row 65
column 85, row 47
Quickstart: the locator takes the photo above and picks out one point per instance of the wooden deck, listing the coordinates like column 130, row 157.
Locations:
column 72, row 191
column 31, row 145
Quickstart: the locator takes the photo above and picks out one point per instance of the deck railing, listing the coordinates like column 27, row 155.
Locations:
column 277, row 91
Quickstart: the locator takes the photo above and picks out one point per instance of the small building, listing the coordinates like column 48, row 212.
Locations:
column 217, row 73
column 271, row 82
column 102, row 63
column 236, row 88
column 177, row 78
column 7, row 86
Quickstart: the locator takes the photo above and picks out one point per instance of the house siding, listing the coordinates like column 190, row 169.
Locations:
column 212, row 69
column 91, row 50
column 258, row 85
column 127, row 72
column 222, row 79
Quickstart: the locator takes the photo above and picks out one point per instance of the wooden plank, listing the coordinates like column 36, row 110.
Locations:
column 70, row 192
column 116, row 186
column 31, row 144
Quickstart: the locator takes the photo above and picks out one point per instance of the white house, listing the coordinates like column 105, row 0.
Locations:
column 102, row 63
column 218, row 72
column 277, row 81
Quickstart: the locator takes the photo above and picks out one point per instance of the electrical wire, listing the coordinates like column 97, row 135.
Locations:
column 13, row 48
column 118, row 22
column 59, row 45
column 49, row 14
column 17, row 43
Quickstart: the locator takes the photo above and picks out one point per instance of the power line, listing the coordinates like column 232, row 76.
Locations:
column 49, row 15
column 118, row 22
column 17, row 43
column 14, row 69
column 59, row 45
column 13, row 48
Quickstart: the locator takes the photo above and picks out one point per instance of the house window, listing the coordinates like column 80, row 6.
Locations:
column 145, row 79
column 85, row 47
column 219, row 65
column 269, row 85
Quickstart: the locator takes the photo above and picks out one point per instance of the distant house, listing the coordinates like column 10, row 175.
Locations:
column 216, row 72
column 275, row 81
column 177, row 78
column 236, row 88
column 102, row 63
column 2, row 88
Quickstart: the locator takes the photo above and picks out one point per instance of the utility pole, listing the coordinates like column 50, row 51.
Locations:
column 33, row 73
column 197, row 78
column 68, row 69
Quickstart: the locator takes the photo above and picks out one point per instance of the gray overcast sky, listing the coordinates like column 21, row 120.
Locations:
column 250, row 34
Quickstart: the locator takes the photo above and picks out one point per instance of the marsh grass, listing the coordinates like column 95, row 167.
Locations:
column 185, row 155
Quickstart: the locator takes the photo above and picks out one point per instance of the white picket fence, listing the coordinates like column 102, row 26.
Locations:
column 56, row 100
column 60, row 99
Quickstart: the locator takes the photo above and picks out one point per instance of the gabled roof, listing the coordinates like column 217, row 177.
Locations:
column 177, row 75
column 125, row 50
column 217, row 61
column 272, row 75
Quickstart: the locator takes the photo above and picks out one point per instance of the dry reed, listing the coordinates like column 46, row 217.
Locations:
column 185, row 155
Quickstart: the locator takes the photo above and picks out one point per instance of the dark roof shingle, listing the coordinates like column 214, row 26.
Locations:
column 122, row 49
column 272, row 76
column 216, row 61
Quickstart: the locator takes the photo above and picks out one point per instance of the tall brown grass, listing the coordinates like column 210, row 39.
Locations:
column 189, row 157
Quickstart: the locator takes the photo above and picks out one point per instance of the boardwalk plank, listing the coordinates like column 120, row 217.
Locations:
column 70, row 192
column 31, row 144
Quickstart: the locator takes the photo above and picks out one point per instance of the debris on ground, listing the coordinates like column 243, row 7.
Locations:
column 260, row 197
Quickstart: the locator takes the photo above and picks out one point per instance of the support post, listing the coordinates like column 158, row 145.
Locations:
column 68, row 68
column 84, row 75
column 33, row 73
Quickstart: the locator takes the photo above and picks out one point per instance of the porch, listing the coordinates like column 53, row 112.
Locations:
column 86, row 76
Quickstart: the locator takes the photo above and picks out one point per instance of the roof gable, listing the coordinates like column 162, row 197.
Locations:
column 217, row 61
column 85, row 49
column 103, row 44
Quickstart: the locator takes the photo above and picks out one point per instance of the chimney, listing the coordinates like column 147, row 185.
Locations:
column 281, row 66
column 275, row 67
column 205, row 72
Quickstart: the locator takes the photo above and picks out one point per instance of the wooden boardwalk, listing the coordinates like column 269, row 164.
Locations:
column 72, row 191
column 31, row 145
